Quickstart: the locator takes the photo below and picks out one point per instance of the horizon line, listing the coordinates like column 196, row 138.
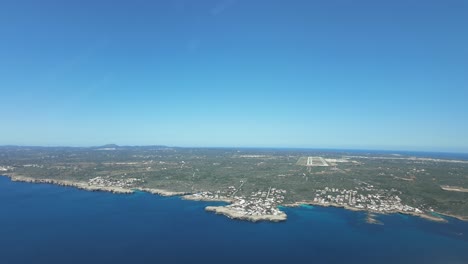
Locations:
column 247, row 147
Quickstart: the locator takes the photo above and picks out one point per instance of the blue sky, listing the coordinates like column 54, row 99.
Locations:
column 324, row 74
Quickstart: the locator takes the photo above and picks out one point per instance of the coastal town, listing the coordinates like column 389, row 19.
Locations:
column 260, row 204
column 111, row 182
column 374, row 200
column 265, row 203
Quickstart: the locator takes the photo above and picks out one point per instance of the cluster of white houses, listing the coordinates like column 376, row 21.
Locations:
column 111, row 182
column 257, row 204
column 387, row 202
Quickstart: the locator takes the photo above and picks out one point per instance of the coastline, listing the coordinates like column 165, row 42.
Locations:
column 92, row 188
column 422, row 215
column 161, row 192
column 192, row 197
column 226, row 211
column 79, row 185
column 461, row 218
column 233, row 214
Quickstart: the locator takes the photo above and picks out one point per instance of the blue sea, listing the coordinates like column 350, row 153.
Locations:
column 43, row 223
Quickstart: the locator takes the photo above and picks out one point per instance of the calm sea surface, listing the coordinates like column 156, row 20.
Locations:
column 43, row 223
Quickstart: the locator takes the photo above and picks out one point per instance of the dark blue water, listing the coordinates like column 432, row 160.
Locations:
column 42, row 223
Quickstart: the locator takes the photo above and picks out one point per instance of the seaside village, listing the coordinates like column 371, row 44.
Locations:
column 258, row 203
column 377, row 201
column 110, row 182
column 364, row 197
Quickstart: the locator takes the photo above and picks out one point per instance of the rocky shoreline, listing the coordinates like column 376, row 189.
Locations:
column 79, row 185
column 233, row 214
column 422, row 215
column 192, row 197
column 93, row 188
column 229, row 212
column 161, row 192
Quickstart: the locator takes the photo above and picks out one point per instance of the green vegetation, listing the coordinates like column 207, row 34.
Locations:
column 417, row 181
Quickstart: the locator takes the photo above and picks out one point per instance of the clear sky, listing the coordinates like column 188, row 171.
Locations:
column 322, row 74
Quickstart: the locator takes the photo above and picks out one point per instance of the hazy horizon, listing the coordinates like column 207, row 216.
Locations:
column 302, row 74
column 345, row 148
